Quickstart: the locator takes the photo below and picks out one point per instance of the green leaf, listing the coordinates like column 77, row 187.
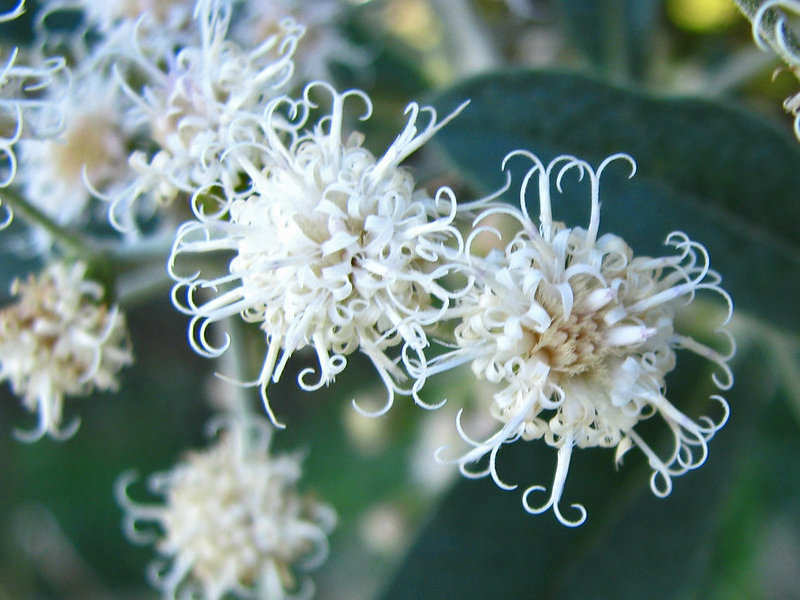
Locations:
column 615, row 36
column 730, row 181
column 727, row 178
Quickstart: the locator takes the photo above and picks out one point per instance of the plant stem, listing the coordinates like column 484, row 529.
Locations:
column 235, row 362
column 153, row 247
column 616, row 44
column 137, row 286
column 70, row 241
column 740, row 67
column 472, row 49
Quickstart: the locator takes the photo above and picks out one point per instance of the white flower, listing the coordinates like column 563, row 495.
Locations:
column 580, row 334
column 191, row 99
column 59, row 175
column 57, row 340
column 232, row 521
column 333, row 247
column 21, row 102
column 787, row 49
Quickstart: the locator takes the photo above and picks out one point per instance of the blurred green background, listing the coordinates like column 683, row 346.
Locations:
column 679, row 85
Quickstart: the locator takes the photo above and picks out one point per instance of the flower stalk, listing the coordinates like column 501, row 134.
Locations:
column 71, row 242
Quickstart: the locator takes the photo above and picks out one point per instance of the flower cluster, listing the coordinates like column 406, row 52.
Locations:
column 232, row 521
column 334, row 248
column 89, row 156
column 165, row 84
column 58, row 339
column 580, row 333
column 192, row 111
column 24, row 100
column 193, row 98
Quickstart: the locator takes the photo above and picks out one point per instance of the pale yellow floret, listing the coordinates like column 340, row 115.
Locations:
column 59, row 340
column 580, row 334
column 233, row 521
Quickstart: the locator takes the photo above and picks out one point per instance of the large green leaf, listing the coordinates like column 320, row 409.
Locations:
column 729, row 180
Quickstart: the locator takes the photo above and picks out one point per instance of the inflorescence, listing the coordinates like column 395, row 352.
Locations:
column 293, row 223
column 333, row 248
column 579, row 334
column 232, row 521
column 60, row 339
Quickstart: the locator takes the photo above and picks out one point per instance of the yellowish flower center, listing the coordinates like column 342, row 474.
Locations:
column 92, row 142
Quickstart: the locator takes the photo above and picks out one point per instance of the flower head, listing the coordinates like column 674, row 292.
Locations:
column 232, row 521
column 58, row 339
column 323, row 43
column 25, row 99
column 192, row 97
column 60, row 174
column 334, row 248
column 580, row 333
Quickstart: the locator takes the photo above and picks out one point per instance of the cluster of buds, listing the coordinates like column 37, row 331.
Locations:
column 232, row 521
column 60, row 339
